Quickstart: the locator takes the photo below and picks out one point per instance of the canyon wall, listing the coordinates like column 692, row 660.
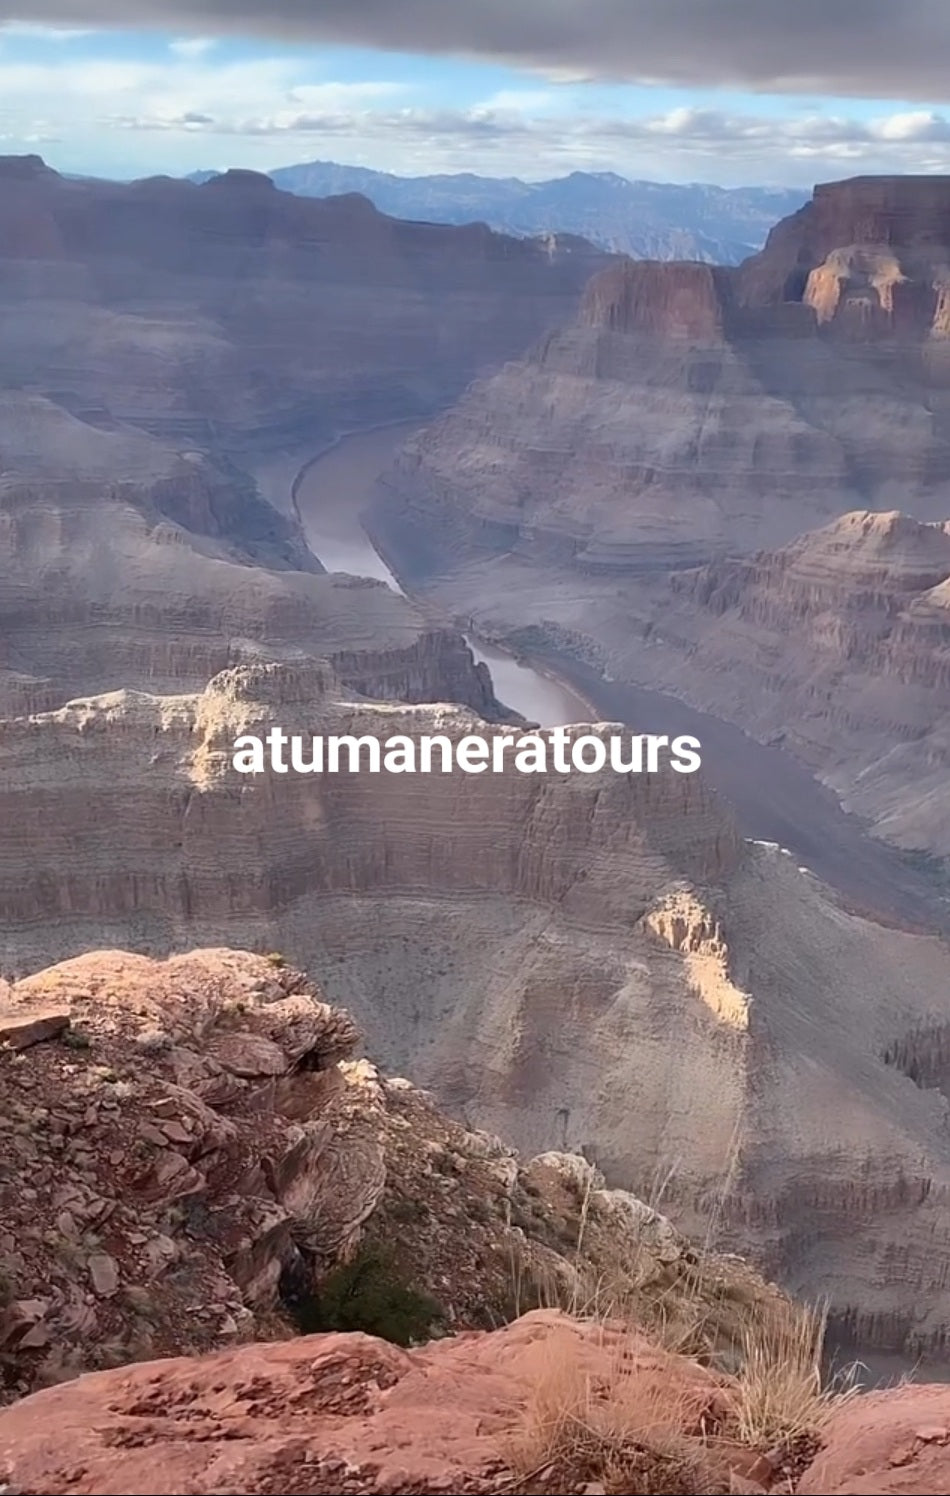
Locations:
column 582, row 961
column 691, row 411
column 838, row 645
column 232, row 315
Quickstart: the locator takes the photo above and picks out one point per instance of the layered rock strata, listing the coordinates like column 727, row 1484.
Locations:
column 839, row 646
column 238, row 316
column 527, row 945
column 109, row 579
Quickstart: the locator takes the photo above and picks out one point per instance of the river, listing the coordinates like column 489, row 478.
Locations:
column 329, row 496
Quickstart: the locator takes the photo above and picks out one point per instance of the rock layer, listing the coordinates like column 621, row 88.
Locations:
column 110, row 577
column 527, row 945
column 692, row 410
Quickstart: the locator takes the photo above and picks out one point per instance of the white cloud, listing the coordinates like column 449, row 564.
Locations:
column 682, row 143
column 921, row 125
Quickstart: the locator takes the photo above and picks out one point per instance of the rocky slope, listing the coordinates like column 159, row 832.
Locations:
column 836, row 645
column 527, row 945
column 105, row 582
column 193, row 1160
column 192, row 1154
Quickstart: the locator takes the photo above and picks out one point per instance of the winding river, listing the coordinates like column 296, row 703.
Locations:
column 774, row 797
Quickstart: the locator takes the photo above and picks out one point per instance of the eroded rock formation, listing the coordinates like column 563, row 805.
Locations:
column 540, row 950
column 107, row 581
column 838, row 643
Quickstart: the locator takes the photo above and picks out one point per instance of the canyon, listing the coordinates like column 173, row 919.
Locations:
column 584, row 501
column 743, row 1009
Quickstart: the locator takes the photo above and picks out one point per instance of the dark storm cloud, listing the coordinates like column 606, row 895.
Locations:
column 871, row 48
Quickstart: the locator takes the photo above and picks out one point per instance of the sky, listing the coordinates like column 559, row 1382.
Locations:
column 730, row 91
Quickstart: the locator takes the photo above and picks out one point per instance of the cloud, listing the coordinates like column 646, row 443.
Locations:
column 862, row 48
column 704, row 144
column 166, row 109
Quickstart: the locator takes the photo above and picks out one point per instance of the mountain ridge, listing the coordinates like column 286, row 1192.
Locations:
column 642, row 218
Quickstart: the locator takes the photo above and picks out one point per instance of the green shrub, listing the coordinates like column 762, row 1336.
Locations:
column 369, row 1293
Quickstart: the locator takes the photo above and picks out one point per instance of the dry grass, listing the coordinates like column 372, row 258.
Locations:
column 620, row 1431
column 780, row 1394
column 617, row 1432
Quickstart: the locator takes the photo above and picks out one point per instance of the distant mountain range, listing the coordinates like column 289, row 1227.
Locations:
column 649, row 220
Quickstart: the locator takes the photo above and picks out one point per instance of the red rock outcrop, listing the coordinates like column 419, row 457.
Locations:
column 190, row 1149
column 679, row 301
column 896, row 1443
column 546, row 1405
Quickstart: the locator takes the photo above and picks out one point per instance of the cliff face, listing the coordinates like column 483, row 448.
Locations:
column 680, row 301
column 692, row 423
column 236, row 315
column 907, row 216
column 574, row 941
column 839, row 642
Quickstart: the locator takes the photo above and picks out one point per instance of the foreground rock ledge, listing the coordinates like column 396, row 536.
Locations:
column 353, row 1414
